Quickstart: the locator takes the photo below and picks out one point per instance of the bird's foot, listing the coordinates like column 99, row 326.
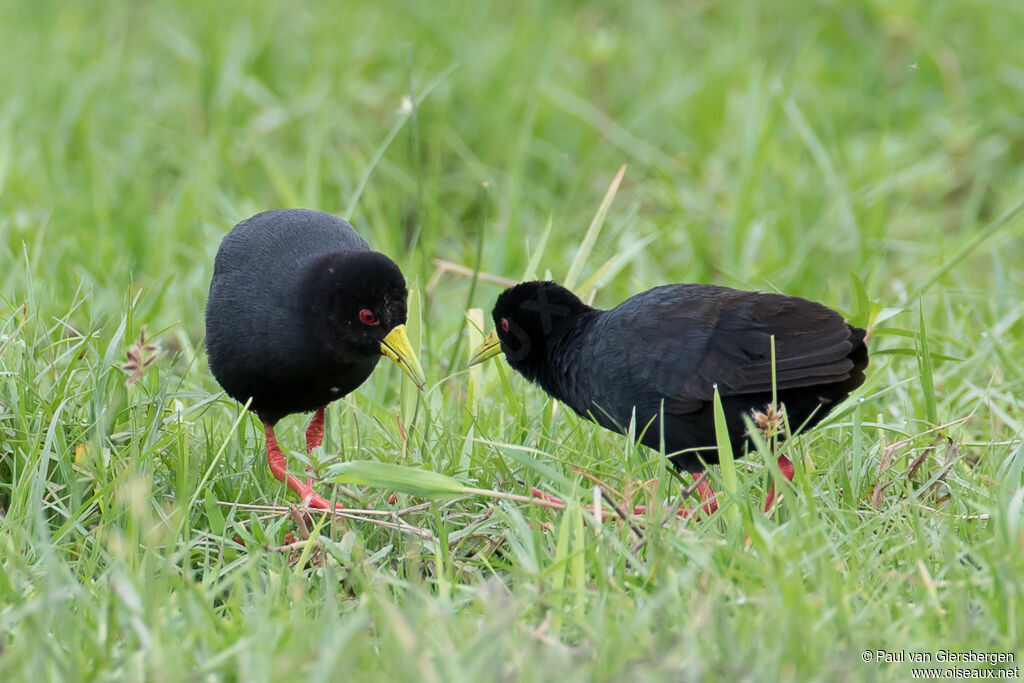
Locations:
column 682, row 511
column 537, row 493
column 709, row 503
column 311, row 498
column 279, row 468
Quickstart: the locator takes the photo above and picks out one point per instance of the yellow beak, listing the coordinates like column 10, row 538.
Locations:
column 489, row 349
column 396, row 346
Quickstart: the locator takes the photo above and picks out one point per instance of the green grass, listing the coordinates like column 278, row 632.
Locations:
column 769, row 145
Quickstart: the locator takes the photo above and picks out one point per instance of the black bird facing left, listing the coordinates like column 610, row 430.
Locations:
column 300, row 311
column 660, row 354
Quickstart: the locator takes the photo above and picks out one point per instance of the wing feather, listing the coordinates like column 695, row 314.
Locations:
column 673, row 344
column 812, row 347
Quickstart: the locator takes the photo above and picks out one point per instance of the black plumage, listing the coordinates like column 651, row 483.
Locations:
column 300, row 311
column 663, row 351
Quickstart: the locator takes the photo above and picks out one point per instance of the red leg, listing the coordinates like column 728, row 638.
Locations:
column 315, row 431
column 314, row 437
column 709, row 505
column 707, row 497
column 637, row 509
column 537, row 493
column 786, row 467
column 683, row 511
column 279, row 468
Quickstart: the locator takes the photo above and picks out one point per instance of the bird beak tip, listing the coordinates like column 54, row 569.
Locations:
column 489, row 349
column 397, row 347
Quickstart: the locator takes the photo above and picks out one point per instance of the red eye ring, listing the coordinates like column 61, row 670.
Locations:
column 504, row 324
column 367, row 317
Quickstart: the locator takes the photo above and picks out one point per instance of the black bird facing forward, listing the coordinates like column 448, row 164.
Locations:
column 662, row 352
column 300, row 311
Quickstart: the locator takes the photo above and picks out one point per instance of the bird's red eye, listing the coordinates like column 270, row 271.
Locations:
column 367, row 317
column 504, row 324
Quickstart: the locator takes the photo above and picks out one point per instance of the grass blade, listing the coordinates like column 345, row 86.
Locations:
column 612, row 266
column 726, row 462
column 410, row 480
column 538, row 253
column 474, row 390
column 924, row 365
column 378, row 154
column 587, row 245
column 971, row 245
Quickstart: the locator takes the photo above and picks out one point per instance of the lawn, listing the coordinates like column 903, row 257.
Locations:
column 869, row 155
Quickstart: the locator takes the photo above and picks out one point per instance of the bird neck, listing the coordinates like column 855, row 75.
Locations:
column 558, row 375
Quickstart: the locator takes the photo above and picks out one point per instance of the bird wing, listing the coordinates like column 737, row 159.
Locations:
column 675, row 344
column 812, row 347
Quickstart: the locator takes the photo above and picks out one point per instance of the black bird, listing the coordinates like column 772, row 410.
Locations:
column 300, row 311
column 663, row 352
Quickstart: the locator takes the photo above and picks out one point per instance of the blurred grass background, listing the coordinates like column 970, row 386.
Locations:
column 135, row 134
column 769, row 145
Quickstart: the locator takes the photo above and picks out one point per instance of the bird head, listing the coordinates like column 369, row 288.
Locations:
column 359, row 306
column 526, row 317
